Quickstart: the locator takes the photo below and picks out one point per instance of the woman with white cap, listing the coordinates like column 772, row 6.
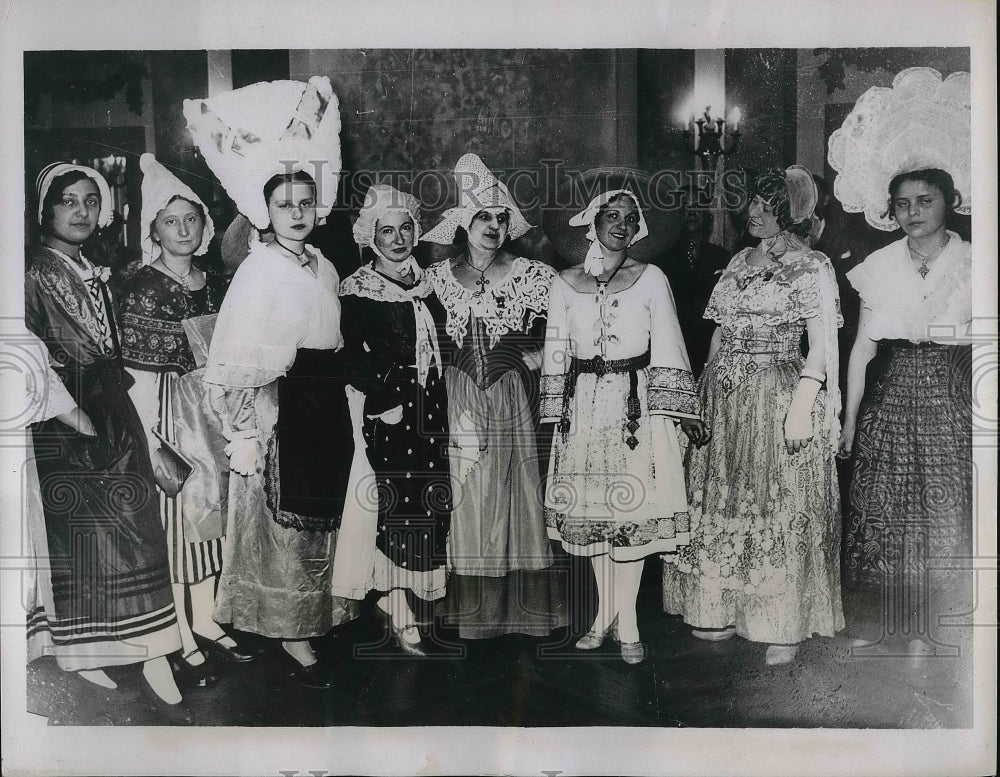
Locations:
column 908, row 413
column 393, row 324
column 112, row 602
column 175, row 228
column 617, row 382
column 764, row 556
column 495, row 302
column 274, row 370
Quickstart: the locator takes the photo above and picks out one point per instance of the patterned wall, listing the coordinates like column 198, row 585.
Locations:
column 418, row 110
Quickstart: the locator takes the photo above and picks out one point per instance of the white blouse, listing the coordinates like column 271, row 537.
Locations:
column 905, row 306
column 274, row 306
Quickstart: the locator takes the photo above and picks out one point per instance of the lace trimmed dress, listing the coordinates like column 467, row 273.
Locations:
column 502, row 580
column 156, row 353
column 765, row 524
column 276, row 377
column 910, row 511
column 615, row 376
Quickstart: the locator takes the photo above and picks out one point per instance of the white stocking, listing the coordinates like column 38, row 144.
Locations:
column 627, row 576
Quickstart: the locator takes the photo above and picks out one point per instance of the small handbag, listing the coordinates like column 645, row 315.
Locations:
column 170, row 468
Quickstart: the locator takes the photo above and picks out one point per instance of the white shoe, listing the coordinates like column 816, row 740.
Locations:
column 780, row 654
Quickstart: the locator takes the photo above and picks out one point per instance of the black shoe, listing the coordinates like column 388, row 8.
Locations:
column 232, row 655
column 195, row 676
column 312, row 676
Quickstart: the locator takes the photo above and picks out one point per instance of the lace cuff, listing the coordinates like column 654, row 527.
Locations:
column 672, row 391
column 552, row 388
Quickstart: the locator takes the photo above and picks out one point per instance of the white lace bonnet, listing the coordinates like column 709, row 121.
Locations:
column 920, row 122
column 478, row 189
column 159, row 187
column 250, row 134
column 380, row 199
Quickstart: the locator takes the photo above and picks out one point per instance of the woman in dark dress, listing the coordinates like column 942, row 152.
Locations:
column 112, row 602
column 392, row 324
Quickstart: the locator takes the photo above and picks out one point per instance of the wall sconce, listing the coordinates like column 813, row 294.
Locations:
column 709, row 137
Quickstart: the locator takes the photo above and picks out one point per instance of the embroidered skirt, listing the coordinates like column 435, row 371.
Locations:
column 616, row 487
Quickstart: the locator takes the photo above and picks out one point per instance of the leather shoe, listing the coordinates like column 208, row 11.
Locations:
column 594, row 639
column 195, row 676
column 232, row 655
column 312, row 676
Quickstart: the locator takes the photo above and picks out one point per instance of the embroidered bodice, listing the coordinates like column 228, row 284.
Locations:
column 152, row 308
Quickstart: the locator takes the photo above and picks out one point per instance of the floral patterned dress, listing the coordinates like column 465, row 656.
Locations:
column 765, row 524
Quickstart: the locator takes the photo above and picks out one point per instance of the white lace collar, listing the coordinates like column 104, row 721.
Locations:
column 510, row 305
column 366, row 282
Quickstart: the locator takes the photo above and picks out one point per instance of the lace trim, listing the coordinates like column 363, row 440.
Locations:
column 512, row 305
column 369, row 284
column 671, row 390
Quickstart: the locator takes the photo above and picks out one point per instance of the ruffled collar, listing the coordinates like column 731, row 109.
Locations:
column 512, row 304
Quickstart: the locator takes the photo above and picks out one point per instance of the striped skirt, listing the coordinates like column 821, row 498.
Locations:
column 190, row 562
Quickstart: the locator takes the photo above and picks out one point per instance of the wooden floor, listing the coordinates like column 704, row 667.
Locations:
column 530, row 681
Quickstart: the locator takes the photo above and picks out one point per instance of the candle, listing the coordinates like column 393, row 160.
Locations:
column 734, row 119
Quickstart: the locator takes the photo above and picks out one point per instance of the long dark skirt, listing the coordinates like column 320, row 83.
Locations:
column 410, row 462
column 111, row 596
column 908, row 533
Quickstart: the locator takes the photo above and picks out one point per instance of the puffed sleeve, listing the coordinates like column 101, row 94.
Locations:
column 258, row 330
column 672, row 389
column 557, row 351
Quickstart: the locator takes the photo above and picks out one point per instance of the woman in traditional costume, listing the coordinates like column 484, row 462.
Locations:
column 276, row 376
column 393, row 324
column 169, row 288
column 908, row 412
column 617, row 382
column 764, row 556
column 502, row 578
column 111, row 598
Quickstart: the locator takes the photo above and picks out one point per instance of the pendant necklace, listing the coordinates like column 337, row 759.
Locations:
column 181, row 279
column 923, row 269
column 300, row 255
column 482, row 281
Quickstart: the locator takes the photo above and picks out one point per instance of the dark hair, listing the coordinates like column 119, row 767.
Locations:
column 932, row 176
column 616, row 198
column 770, row 186
column 299, row 176
column 55, row 191
column 462, row 234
